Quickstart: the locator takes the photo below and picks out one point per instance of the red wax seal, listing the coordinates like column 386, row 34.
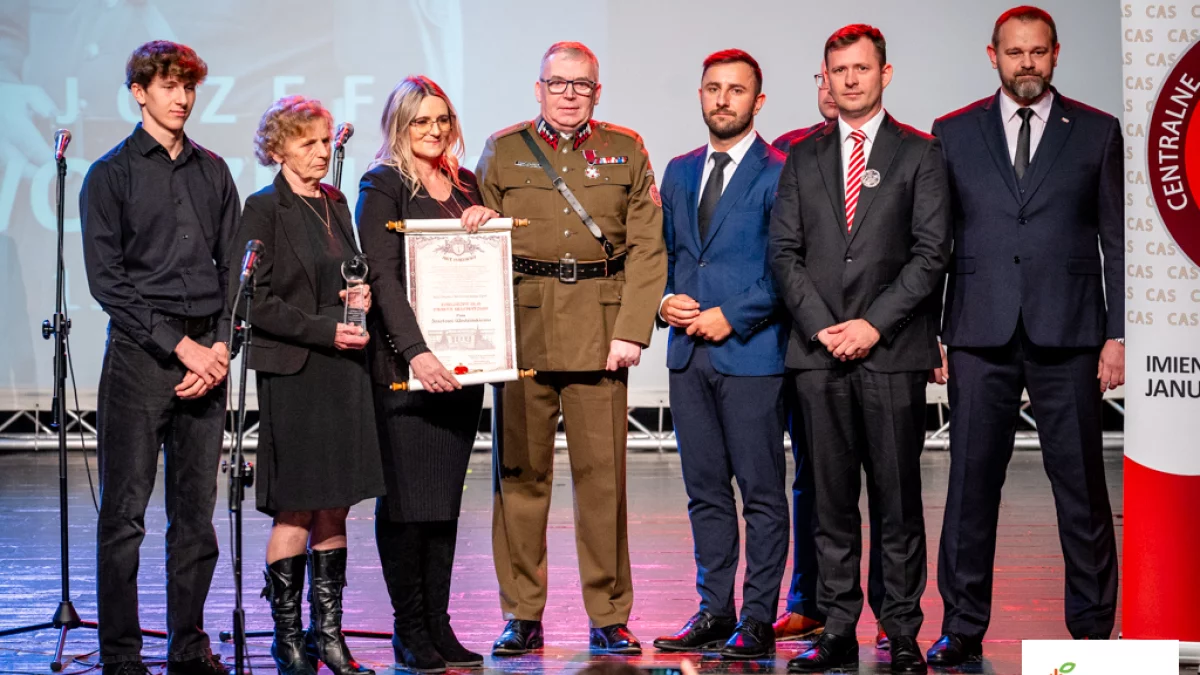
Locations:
column 460, row 370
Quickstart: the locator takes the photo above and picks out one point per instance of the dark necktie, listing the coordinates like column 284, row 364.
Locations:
column 1022, row 161
column 712, row 191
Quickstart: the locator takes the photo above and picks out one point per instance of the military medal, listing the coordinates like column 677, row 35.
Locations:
column 870, row 178
column 591, row 172
column 594, row 160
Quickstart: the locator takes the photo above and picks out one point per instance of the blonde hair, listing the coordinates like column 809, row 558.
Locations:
column 403, row 105
column 286, row 118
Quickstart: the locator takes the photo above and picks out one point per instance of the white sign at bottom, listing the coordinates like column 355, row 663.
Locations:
column 1099, row 657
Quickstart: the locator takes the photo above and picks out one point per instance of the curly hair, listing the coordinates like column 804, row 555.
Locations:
column 286, row 118
column 166, row 59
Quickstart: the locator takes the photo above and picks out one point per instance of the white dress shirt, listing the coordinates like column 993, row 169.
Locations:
column 1012, row 123
column 871, row 129
column 736, row 154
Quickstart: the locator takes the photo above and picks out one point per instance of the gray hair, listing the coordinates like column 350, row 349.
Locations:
column 573, row 49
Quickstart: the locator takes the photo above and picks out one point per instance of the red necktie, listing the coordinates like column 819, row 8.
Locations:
column 858, row 164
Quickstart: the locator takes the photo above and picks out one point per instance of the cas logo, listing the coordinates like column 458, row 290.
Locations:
column 1173, row 152
column 1064, row 669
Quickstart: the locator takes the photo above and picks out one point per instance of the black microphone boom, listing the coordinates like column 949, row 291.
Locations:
column 62, row 138
column 254, row 250
column 344, row 131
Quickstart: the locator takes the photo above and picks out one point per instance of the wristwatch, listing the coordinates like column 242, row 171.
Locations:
column 1120, row 341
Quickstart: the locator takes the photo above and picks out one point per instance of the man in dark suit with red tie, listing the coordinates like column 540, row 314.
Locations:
column 1035, row 301
column 801, row 619
column 860, row 239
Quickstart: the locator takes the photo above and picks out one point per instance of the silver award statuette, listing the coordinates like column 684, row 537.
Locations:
column 354, row 271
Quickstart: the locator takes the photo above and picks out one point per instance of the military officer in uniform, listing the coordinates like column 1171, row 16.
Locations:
column 589, row 272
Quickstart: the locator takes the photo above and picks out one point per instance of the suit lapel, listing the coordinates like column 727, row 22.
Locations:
column 829, row 163
column 1058, row 128
column 695, row 172
column 991, row 125
column 297, row 239
column 743, row 177
column 883, row 151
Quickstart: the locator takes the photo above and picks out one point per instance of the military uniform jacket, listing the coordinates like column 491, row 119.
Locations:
column 568, row 326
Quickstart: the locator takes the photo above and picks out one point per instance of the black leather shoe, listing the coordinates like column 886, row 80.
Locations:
column 201, row 665
column 614, row 639
column 702, row 632
column 953, row 649
column 126, row 668
column 829, row 652
column 753, row 639
column 519, row 637
column 906, row 656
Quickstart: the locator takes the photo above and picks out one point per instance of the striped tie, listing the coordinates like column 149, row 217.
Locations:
column 858, row 164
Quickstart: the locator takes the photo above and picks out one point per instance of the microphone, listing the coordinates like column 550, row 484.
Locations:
column 344, row 131
column 254, row 250
column 62, row 138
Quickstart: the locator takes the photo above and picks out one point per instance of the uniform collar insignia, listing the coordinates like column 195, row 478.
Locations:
column 552, row 137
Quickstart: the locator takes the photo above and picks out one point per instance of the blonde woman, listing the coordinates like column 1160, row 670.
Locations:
column 425, row 437
column 318, row 452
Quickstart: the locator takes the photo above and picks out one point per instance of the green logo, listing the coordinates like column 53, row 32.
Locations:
column 1065, row 668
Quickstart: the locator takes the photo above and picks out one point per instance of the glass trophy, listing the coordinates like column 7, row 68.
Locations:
column 354, row 271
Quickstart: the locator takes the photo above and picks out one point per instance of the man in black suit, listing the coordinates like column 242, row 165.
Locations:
column 825, row 105
column 860, row 238
column 1026, row 308
column 801, row 619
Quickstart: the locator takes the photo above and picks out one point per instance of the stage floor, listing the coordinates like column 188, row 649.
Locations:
column 1029, row 578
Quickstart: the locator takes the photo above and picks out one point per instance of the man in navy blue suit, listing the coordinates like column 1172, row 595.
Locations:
column 802, row 619
column 725, row 355
column 1035, row 301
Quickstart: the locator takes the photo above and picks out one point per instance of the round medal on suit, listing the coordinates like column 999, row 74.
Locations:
column 870, row 178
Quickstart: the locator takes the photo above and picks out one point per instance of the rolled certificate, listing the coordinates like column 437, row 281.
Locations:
column 444, row 225
column 468, row 379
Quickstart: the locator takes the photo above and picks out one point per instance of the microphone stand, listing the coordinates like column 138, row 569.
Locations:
column 241, row 476
column 57, row 327
column 339, row 155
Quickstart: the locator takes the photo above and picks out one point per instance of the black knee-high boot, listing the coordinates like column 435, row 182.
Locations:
column 324, row 640
column 285, row 581
column 400, row 554
column 437, row 570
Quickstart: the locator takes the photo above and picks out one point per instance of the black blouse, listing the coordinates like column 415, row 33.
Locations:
column 384, row 195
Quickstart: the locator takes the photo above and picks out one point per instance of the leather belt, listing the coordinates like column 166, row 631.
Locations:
column 191, row 326
column 569, row 270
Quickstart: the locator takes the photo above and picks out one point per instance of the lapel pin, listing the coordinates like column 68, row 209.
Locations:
column 1066, row 121
column 870, row 178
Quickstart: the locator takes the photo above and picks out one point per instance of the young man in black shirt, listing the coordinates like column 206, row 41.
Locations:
column 158, row 214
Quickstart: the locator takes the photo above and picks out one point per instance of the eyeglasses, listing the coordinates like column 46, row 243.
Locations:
column 423, row 125
column 820, row 80
column 581, row 87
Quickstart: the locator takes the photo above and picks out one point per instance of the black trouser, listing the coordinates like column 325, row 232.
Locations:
column 985, row 400
column 138, row 413
column 802, row 590
column 855, row 419
column 730, row 428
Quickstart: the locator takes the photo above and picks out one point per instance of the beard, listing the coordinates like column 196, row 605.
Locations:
column 1028, row 85
column 725, row 128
